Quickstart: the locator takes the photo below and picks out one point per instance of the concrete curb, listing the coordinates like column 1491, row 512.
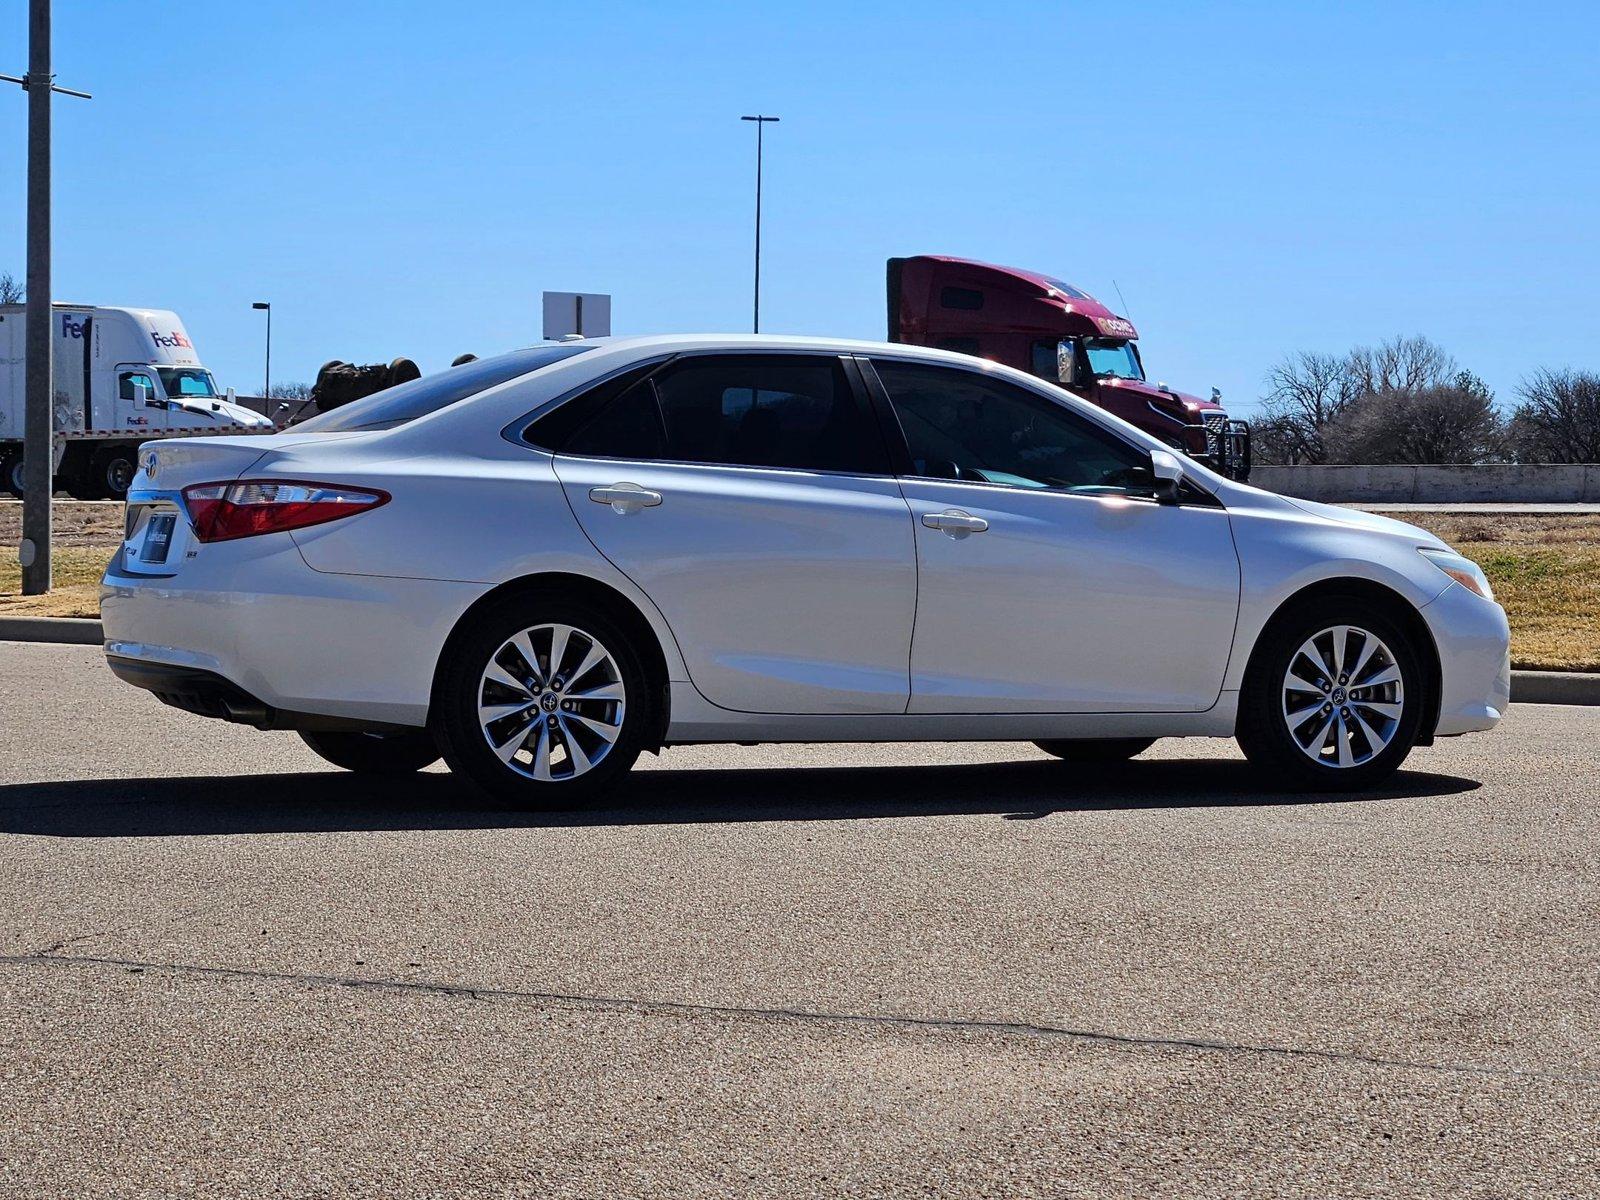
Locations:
column 77, row 631
column 1554, row 687
column 1527, row 687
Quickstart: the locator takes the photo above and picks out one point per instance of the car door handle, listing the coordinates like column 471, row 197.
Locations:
column 625, row 497
column 955, row 522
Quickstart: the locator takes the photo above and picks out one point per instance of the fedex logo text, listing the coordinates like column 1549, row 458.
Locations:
column 73, row 326
column 172, row 341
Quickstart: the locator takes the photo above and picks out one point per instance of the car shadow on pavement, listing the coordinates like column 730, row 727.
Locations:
column 334, row 801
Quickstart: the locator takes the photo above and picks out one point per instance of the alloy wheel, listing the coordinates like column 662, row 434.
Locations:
column 1343, row 696
column 551, row 702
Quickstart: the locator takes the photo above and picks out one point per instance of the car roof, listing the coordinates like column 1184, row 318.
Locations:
column 671, row 342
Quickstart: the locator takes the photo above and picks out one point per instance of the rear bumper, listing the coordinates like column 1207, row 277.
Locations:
column 1474, row 643
column 248, row 632
column 207, row 694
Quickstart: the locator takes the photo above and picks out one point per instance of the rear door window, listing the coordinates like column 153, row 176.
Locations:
column 748, row 410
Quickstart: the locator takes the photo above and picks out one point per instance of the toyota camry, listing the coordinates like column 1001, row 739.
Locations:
column 540, row 565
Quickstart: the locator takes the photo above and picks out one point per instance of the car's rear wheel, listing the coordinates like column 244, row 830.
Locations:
column 543, row 703
column 1333, row 699
column 376, row 753
column 1096, row 750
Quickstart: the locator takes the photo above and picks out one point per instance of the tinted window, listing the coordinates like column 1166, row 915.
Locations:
column 742, row 410
column 962, row 298
column 960, row 345
column 554, row 429
column 187, row 381
column 127, row 383
column 628, row 427
column 969, row 299
column 961, row 425
column 397, row 405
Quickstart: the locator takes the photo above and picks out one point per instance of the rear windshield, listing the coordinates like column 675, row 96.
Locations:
column 397, row 405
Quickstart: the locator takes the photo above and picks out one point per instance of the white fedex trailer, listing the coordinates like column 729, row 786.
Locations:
column 122, row 376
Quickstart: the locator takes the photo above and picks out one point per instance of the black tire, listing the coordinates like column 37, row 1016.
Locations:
column 462, row 360
column 460, row 687
column 1096, row 750
column 1263, row 728
column 403, row 370
column 11, row 475
column 376, row 753
column 110, row 472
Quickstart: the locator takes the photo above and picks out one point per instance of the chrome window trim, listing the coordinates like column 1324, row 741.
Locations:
column 1212, row 499
column 513, row 432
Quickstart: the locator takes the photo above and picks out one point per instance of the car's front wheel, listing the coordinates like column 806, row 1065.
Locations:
column 542, row 702
column 1333, row 699
column 376, row 753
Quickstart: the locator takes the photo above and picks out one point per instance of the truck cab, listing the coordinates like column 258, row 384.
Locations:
column 1058, row 332
column 120, row 376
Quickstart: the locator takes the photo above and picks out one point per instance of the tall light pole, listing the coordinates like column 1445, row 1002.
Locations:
column 38, row 450
column 760, row 121
column 266, row 388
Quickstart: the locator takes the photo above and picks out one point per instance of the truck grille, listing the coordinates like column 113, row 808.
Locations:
column 1228, row 445
column 1216, row 430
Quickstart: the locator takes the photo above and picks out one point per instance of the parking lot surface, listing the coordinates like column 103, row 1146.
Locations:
column 949, row 970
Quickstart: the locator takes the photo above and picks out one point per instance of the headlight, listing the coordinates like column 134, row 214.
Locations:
column 1463, row 570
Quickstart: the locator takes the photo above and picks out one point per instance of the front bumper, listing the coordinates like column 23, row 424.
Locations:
column 1474, row 643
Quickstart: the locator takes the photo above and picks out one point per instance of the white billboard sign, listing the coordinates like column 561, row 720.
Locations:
column 587, row 314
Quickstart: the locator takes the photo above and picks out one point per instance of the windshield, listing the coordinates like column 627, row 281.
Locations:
column 183, row 382
column 397, row 405
column 1108, row 357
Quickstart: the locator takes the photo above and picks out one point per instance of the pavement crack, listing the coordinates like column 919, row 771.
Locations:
column 621, row 1004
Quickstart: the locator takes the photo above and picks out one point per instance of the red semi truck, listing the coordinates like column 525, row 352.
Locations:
column 1060, row 333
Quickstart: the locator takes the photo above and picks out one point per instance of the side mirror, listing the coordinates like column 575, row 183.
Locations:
column 1168, row 470
column 1067, row 361
column 141, row 397
column 229, row 395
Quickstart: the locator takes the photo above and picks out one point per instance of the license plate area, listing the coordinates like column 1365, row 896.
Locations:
column 157, row 538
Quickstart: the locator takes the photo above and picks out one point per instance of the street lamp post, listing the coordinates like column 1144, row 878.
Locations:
column 760, row 121
column 266, row 388
column 38, row 424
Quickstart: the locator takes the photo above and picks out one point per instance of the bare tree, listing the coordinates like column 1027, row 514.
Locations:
column 291, row 391
column 1401, row 364
column 11, row 292
column 1306, row 391
column 1558, row 419
column 1454, row 422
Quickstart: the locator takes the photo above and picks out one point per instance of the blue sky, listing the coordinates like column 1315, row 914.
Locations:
column 406, row 178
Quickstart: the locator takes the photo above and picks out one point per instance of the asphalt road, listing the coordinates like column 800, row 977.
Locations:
column 896, row 970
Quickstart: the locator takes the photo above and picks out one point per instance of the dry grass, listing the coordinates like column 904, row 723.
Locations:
column 1545, row 569
column 85, row 536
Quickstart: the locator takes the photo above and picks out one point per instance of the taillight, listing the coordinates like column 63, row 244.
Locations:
column 223, row 511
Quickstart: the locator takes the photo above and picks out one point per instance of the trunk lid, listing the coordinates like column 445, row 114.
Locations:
column 157, row 537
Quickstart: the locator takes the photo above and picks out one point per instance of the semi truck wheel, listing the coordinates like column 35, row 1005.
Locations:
column 11, row 474
column 111, row 471
column 403, row 370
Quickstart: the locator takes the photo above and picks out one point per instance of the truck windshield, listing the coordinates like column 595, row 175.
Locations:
column 187, row 381
column 408, row 401
column 1108, row 357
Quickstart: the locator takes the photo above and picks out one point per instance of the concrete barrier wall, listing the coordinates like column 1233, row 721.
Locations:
column 1542, row 483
